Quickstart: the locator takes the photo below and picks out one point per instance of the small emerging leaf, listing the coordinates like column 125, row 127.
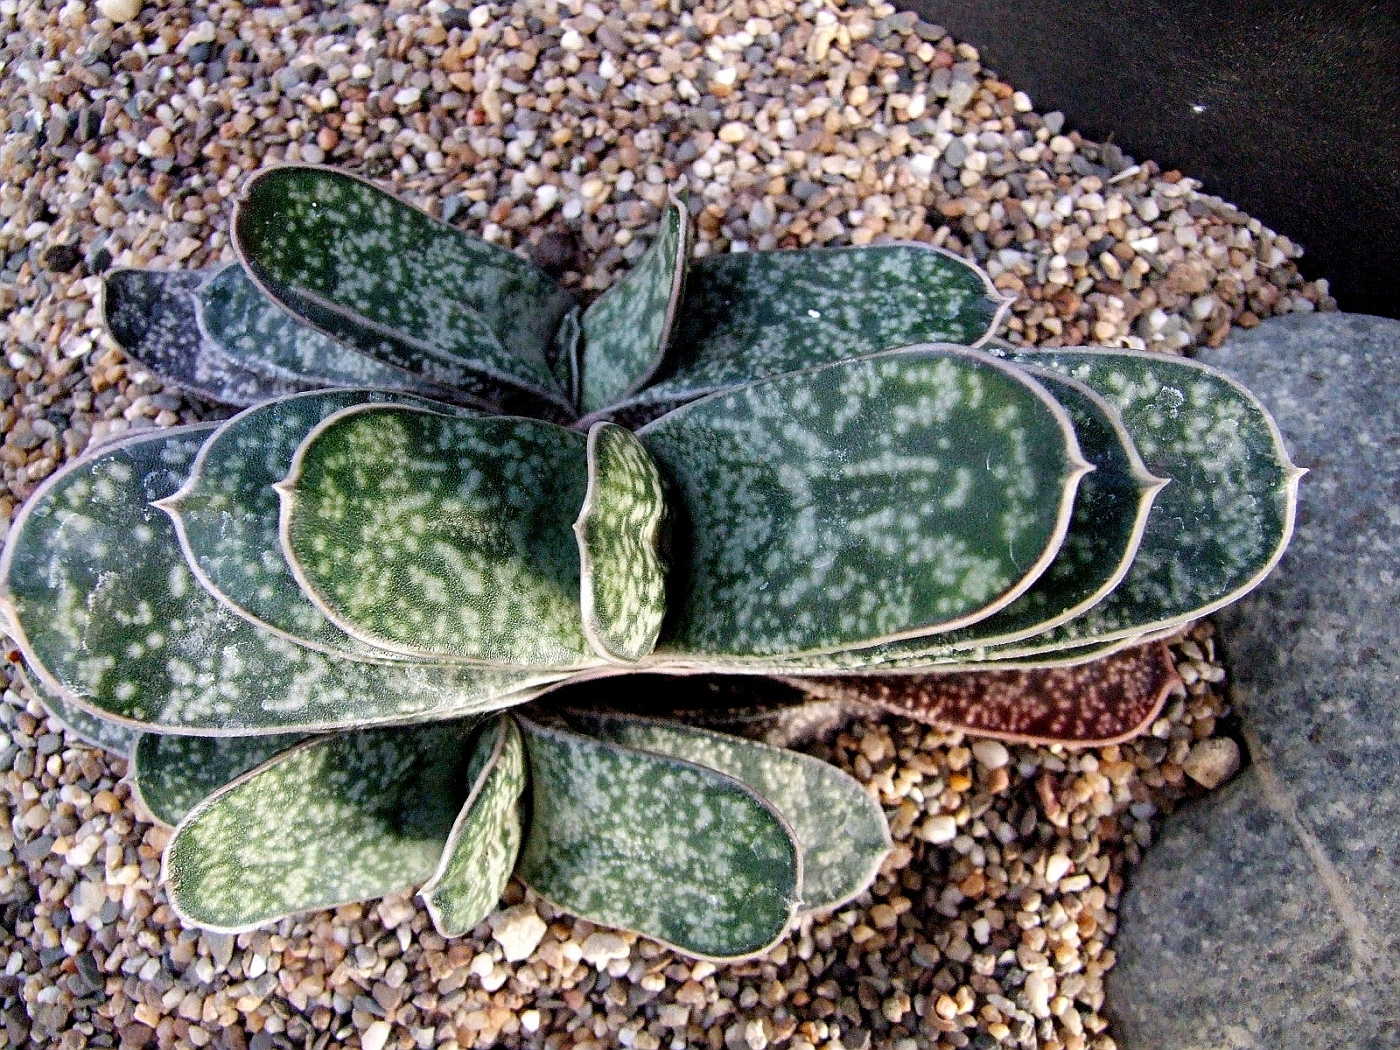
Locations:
column 841, row 830
column 895, row 496
column 622, row 574
column 330, row 821
column 435, row 536
column 626, row 330
column 675, row 851
column 401, row 287
column 484, row 844
column 173, row 774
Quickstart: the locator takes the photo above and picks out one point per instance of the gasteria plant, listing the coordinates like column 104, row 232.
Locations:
column 306, row 623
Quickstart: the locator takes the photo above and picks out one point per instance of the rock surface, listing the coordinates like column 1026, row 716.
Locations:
column 1269, row 915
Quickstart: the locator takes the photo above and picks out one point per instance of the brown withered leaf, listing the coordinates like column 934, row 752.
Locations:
column 1101, row 702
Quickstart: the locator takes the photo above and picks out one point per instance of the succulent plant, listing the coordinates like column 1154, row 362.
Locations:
column 456, row 490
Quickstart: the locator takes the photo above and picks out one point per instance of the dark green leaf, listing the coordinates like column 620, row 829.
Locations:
column 173, row 774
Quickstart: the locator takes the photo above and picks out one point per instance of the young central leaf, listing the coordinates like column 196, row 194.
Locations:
column 865, row 501
column 437, row 536
column 624, row 577
column 685, row 854
column 626, row 330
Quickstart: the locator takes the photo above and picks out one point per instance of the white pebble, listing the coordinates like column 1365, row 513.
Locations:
column 518, row 931
column 409, row 96
column 939, row 829
column 1037, row 990
column 603, row 947
column 991, row 753
column 376, row 1035
column 119, row 11
column 572, row 40
column 1056, row 868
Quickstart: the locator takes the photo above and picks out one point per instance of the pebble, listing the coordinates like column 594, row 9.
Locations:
column 505, row 113
column 1212, row 762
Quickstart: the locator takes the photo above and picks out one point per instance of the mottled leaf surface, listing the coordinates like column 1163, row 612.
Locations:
column 154, row 316
column 623, row 575
column 485, row 841
column 684, row 854
column 227, row 516
column 1098, row 702
column 248, row 327
column 399, row 286
column 173, row 774
column 749, row 315
column 334, row 820
column 1224, row 520
column 78, row 720
column 626, row 329
column 1110, row 513
column 888, row 497
column 840, row 828
column 106, row 608
column 435, row 536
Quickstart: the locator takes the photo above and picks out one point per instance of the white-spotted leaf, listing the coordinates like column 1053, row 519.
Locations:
column 484, row 844
column 840, row 828
column 334, row 820
column 890, row 497
column 623, row 576
column 401, row 287
column 173, row 774
column 438, row 536
column 106, row 610
column 626, row 330
column 687, row 855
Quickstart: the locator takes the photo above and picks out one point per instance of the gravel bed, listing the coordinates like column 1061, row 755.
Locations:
column 126, row 130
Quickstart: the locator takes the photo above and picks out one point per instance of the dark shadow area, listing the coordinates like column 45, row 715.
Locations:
column 1287, row 108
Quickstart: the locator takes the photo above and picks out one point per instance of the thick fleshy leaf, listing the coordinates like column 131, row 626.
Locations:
column 1098, row 702
column 750, row 315
column 1226, row 517
column 485, row 841
column 173, row 774
column 623, row 576
column 684, row 854
column 154, row 316
column 247, row 327
column 227, row 516
column 431, row 535
column 626, row 330
column 106, row 609
column 840, row 828
column 330, row 821
column 401, row 287
column 894, row 496
column 1106, row 527
column 78, row 720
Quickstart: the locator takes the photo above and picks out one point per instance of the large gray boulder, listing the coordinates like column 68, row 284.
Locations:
column 1268, row 915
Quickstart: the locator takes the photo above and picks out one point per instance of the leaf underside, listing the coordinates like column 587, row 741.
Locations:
column 626, row 330
column 894, row 496
column 436, row 536
column 107, row 608
column 623, row 576
column 482, row 849
column 750, row 315
column 173, row 774
column 1099, row 702
column 227, row 516
column 334, row 820
column 402, row 288
column 680, row 853
column 841, row 830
